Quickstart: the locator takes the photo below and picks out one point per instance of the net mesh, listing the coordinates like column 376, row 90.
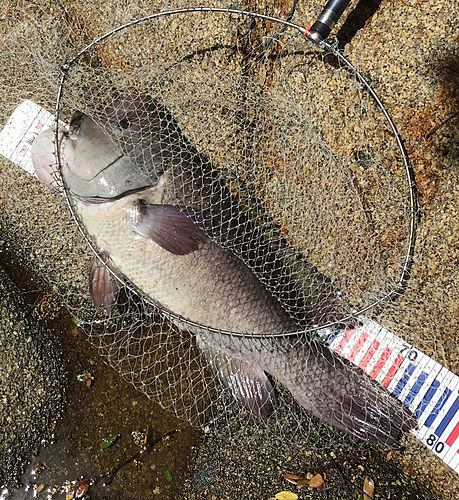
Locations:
column 282, row 170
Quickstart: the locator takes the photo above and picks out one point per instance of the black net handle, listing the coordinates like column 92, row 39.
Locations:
column 327, row 19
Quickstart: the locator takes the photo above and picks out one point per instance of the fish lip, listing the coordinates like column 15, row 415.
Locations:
column 96, row 200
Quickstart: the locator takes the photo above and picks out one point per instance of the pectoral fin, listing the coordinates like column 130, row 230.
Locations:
column 102, row 284
column 167, row 226
column 247, row 382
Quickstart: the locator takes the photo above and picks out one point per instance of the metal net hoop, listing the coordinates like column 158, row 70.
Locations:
column 326, row 49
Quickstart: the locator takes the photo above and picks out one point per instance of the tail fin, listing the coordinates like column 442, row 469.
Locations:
column 369, row 413
column 344, row 396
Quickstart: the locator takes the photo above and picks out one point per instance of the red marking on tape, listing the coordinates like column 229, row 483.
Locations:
column 453, row 436
column 24, row 150
column 345, row 340
column 392, row 371
column 358, row 345
column 369, row 354
column 381, row 362
column 40, row 125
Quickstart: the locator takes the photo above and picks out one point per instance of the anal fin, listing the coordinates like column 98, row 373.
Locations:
column 248, row 383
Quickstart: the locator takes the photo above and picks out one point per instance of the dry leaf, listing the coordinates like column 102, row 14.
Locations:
column 39, row 488
column 389, row 455
column 368, row 488
column 81, row 489
column 292, row 478
column 316, row 481
column 372, row 18
column 262, row 75
column 286, row 495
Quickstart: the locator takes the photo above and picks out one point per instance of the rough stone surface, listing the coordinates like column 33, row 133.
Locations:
column 32, row 391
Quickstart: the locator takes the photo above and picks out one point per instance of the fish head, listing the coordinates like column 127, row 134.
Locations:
column 125, row 148
column 147, row 133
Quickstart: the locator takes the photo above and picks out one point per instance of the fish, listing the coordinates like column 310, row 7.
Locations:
column 144, row 194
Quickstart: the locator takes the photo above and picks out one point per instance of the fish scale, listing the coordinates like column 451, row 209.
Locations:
column 203, row 286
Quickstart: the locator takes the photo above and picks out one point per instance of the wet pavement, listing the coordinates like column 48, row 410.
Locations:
column 148, row 458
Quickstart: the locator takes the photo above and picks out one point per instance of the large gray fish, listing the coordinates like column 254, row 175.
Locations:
column 137, row 185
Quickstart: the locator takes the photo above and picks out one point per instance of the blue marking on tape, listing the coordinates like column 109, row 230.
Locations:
column 437, row 408
column 447, row 418
column 415, row 389
column 427, row 398
column 330, row 337
column 404, row 380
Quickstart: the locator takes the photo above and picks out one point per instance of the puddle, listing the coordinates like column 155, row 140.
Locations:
column 106, row 406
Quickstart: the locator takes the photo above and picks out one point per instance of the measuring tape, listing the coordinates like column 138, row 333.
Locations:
column 430, row 390
column 427, row 388
column 16, row 139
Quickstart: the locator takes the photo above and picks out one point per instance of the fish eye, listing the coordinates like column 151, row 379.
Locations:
column 124, row 124
column 75, row 123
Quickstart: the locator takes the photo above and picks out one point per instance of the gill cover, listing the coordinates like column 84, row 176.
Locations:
column 93, row 166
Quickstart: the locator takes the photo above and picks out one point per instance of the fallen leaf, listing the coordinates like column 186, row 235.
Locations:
column 372, row 18
column 292, row 478
column 389, row 455
column 368, row 488
column 40, row 488
column 286, row 495
column 316, row 481
column 39, row 466
column 106, row 443
column 81, row 489
column 262, row 75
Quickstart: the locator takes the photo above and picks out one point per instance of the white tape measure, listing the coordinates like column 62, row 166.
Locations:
column 26, row 122
column 427, row 388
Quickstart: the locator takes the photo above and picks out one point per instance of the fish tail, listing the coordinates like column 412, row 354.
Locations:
column 366, row 411
column 345, row 397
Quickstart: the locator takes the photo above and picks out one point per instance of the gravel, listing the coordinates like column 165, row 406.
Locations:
column 32, row 392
